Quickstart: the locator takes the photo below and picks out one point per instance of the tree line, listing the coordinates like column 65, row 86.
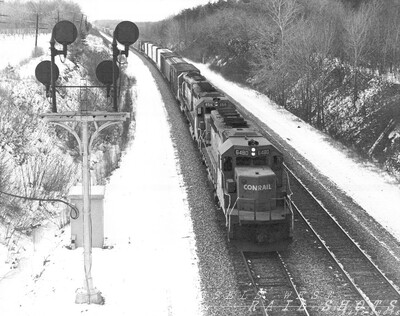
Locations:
column 19, row 16
column 296, row 51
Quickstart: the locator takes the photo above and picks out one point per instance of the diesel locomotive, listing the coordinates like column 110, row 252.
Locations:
column 245, row 169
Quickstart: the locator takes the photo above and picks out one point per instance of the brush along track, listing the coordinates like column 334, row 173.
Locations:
column 378, row 292
column 267, row 284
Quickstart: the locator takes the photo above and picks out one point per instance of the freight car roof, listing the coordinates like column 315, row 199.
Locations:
column 175, row 60
column 169, row 55
column 180, row 67
column 195, row 76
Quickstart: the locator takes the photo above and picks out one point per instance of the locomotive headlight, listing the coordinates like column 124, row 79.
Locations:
column 253, row 152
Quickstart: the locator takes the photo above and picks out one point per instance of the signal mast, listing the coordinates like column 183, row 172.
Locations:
column 47, row 72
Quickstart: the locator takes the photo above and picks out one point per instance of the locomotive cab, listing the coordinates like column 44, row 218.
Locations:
column 253, row 192
column 249, row 181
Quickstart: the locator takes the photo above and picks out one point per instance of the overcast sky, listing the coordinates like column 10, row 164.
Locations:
column 135, row 10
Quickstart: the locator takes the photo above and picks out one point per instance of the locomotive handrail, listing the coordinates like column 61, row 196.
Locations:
column 229, row 204
column 233, row 207
column 229, row 215
column 288, row 183
column 201, row 139
column 289, row 203
column 226, row 212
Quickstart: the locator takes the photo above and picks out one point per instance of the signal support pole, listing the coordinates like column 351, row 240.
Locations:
column 88, row 294
column 47, row 72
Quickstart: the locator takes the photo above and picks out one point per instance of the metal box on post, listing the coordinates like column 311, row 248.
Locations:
column 75, row 196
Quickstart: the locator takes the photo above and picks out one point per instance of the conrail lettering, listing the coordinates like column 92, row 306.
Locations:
column 257, row 187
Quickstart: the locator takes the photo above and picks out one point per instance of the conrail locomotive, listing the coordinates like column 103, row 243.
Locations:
column 246, row 170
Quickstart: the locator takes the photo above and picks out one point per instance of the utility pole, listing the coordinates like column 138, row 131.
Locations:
column 1, row 15
column 37, row 28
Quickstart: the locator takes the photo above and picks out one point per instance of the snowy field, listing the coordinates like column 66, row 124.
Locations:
column 16, row 48
column 153, row 268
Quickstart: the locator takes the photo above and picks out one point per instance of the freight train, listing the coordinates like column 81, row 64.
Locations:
column 246, row 170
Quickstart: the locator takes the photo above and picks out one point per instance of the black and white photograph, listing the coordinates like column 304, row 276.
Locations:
column 200, row 157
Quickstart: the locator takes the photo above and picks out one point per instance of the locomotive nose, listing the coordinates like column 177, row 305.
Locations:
column 256, row 189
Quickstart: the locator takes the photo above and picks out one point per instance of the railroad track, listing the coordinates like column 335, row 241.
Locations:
column 269, row 275
column 271, row 290
column 374, row 288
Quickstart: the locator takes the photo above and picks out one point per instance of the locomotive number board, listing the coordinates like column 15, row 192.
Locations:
column 247, row 152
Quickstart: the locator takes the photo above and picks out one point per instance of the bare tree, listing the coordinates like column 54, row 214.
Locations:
column 387, row 50
column 283, row 13
column 358, row 25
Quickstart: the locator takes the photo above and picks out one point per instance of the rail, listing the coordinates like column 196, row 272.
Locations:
column 327, row 247
column 262, row 267
column 253, row 282
column 368, row 258
column 339, row 265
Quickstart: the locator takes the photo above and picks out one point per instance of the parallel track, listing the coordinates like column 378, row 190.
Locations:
column 372, row 285
column 365, row 276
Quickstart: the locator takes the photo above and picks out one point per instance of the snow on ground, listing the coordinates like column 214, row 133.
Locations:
column 376, row 192
column 147, row 206
column 16, row 48
column 152, row 268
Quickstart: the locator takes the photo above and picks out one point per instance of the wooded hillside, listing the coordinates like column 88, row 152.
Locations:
column 332, row 63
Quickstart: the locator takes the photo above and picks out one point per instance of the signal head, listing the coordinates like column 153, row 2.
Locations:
column 104, row 72
column 65, row 32
column 126, row 33
column 43, row 72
